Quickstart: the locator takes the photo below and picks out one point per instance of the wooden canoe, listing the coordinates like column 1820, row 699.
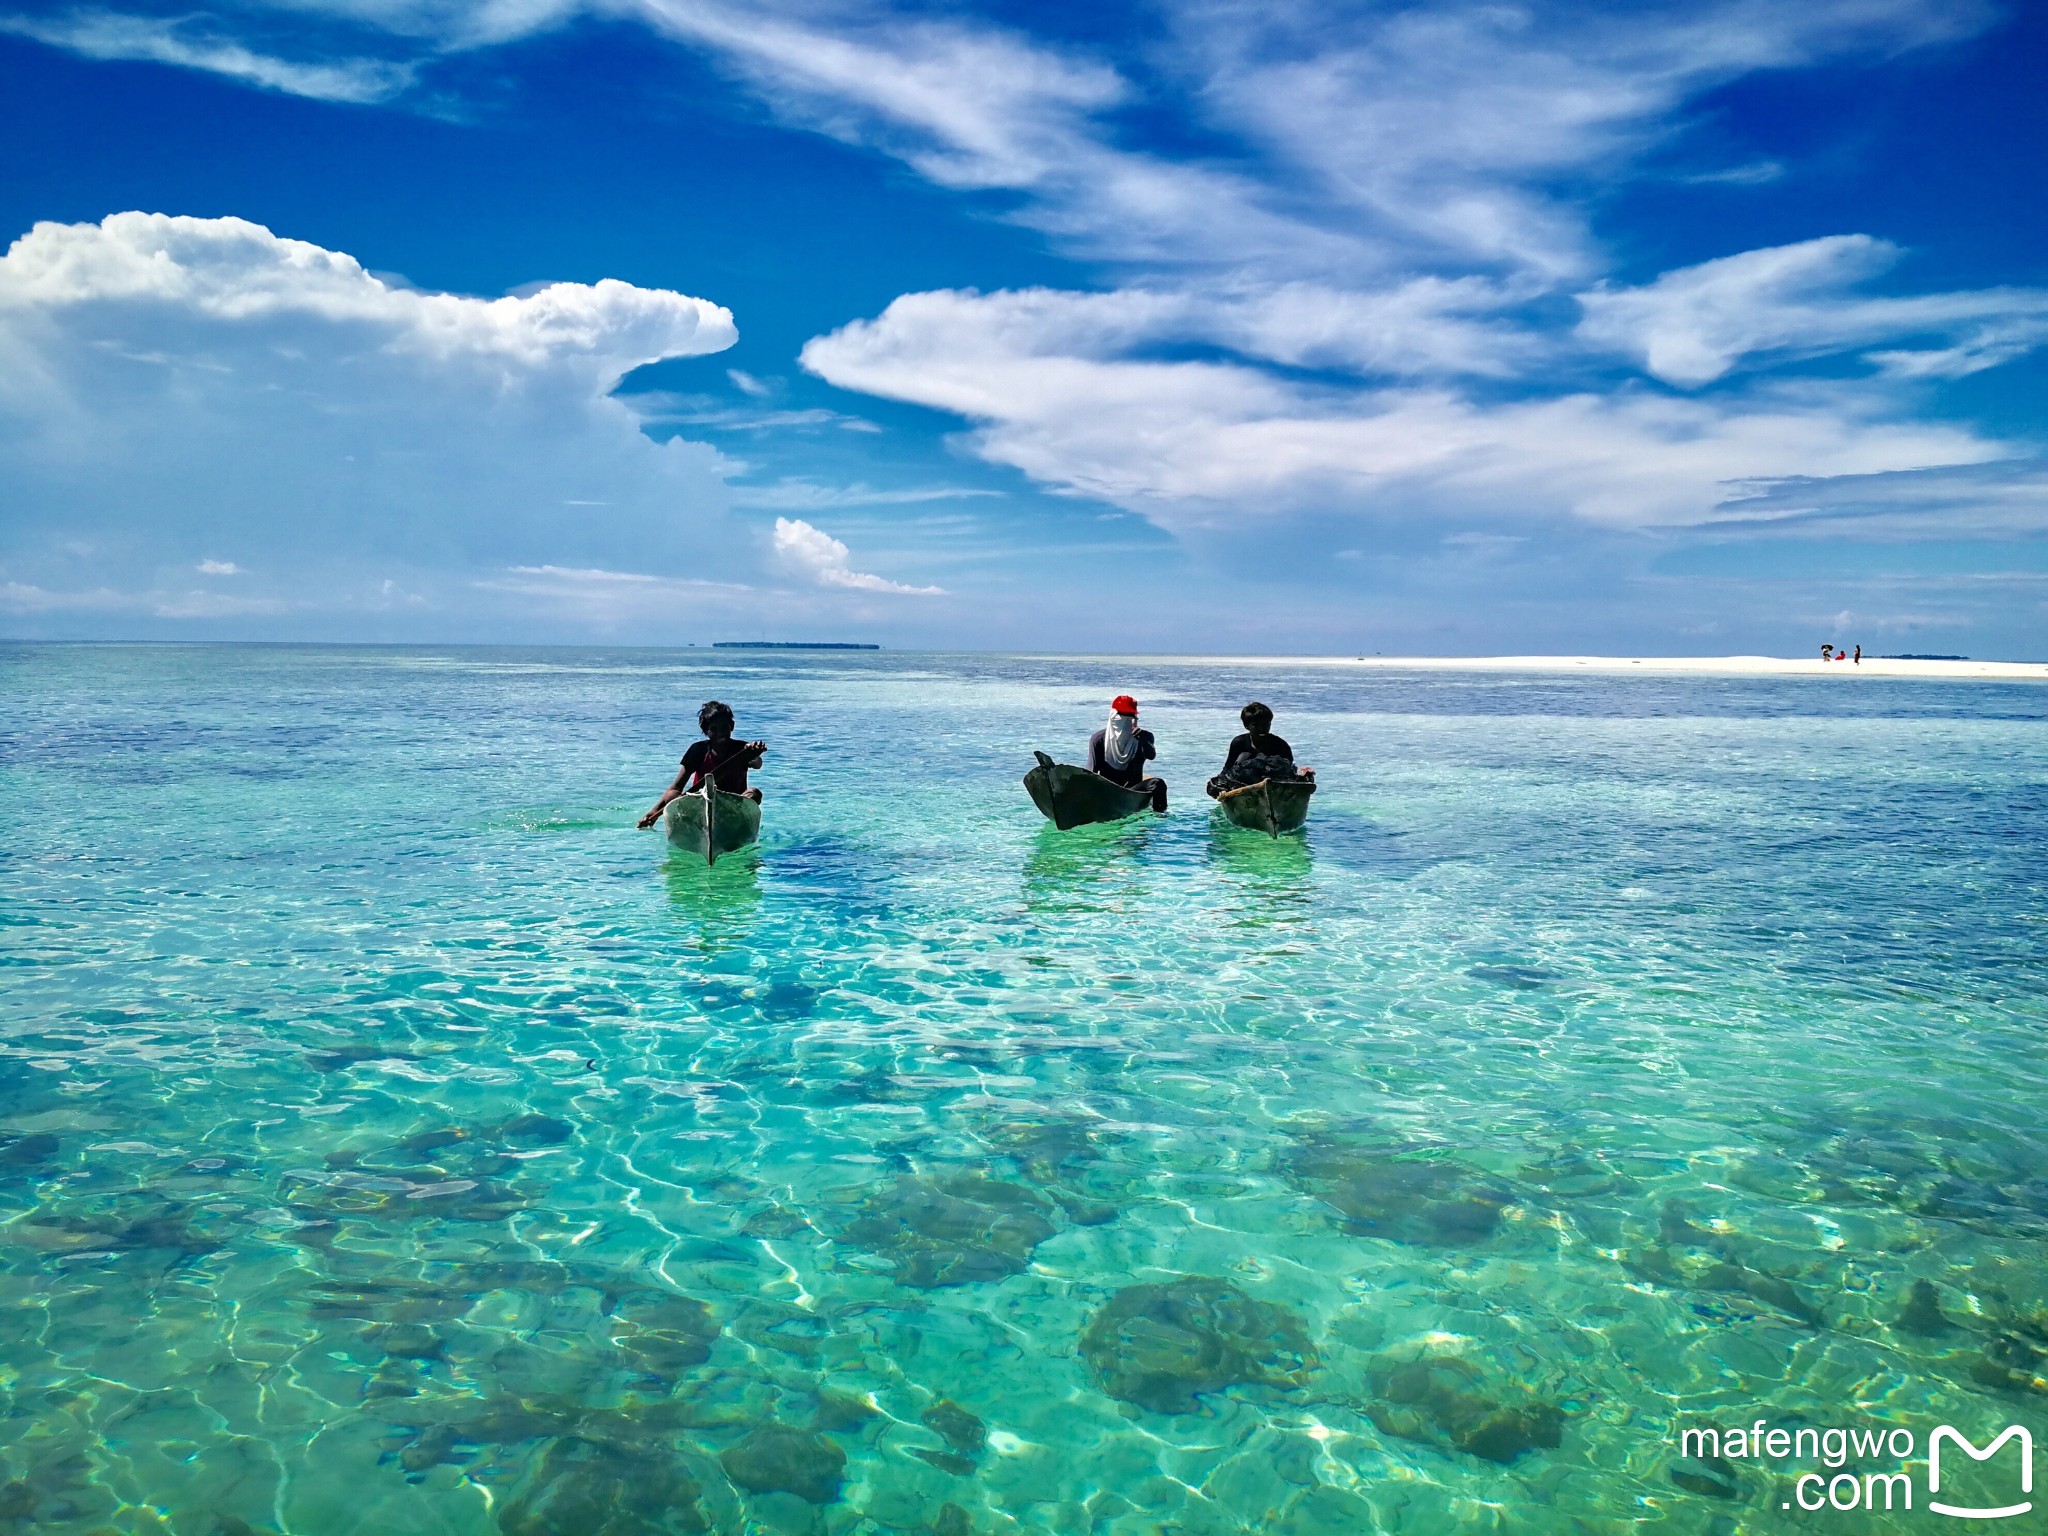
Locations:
column 1272, row 805
column 1074, row 797
column 710, row 822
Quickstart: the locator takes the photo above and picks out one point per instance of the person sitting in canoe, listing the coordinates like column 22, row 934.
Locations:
column 726, row 761
column 1256, row 754
column 1119, row 751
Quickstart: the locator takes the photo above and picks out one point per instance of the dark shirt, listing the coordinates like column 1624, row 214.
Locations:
column 729, row 759
column 1245, row 744
column 1133, row 772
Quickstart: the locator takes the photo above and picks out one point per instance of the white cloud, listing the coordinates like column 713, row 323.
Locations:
column 219, row 568
column 1347, row 144
column 1444, row 127
column 665, row 407
column 27, row 597
column 1201, row 444
column 212, row 605
column 2006, row 498
column 1372, row 248
column 164, row 40
column 161, row 603
column 587, row 577
column 795, row 494
column 1694, row 325
column 234, row 271
column 168, row 381
column 608, row 600
column 813, row 553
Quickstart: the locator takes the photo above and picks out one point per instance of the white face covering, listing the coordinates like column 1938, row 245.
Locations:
column 1120, row 740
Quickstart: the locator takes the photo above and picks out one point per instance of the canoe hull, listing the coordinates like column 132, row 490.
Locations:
column 712, row 823
column 1269, row 806
column 1073, row 797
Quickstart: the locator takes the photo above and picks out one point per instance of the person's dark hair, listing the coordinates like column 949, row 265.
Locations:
column 1256, row 717
column 713, row 711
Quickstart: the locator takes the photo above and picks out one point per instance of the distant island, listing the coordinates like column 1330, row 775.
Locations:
column 1921, row 656
column 790, row 645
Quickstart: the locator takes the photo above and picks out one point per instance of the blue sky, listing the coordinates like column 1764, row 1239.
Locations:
column 1695, row 328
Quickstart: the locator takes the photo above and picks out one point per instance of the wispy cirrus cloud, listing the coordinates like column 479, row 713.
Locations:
column 796, row 494
column 608, row 600
column 1694, row 325
column 20, row 597
column 2002, row 499
column 662, row 407
column 1200, row 444
column 188, row 43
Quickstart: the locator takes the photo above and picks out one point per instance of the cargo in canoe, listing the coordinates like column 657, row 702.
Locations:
column 710, row 822
column 1272, row 805
column 1074, row 797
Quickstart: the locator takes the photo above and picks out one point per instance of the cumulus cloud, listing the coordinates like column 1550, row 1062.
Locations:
column 168, row 383
column 234, row 271
column 816, row 555
column 1692, row 326
column 1344, row 293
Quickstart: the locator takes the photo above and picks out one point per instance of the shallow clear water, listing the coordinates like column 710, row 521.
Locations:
column 392, row 1140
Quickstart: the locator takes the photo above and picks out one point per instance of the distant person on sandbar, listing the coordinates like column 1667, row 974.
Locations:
column 724, row 760
column 1827, row 653
column 1119, row 751
column 1859, row 656
column 1256, row 754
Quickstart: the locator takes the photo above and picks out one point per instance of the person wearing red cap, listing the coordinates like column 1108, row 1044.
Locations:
column 1120, row 750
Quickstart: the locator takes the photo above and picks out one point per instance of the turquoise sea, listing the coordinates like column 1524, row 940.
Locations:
column 394, row 1141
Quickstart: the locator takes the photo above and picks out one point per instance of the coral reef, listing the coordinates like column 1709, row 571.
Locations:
column 776, row 1458
column 956, row 1229
column 1412, row 1195
column 1164, row 1346
column 1431, row 1399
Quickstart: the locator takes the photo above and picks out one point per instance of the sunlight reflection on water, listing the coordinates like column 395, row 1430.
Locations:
column 394, row 1141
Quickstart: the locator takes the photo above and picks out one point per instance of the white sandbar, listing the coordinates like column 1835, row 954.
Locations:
column 1719, row 666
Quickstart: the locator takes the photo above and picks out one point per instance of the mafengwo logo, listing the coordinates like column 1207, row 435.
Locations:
column 1943, row 1433
column 1846, row 1490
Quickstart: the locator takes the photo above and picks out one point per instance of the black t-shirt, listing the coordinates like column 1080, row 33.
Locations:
column 729, row 761
column 1245, row 743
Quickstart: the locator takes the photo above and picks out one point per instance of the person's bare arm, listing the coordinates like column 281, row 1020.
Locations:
column 751, row 751
column 667, row 795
